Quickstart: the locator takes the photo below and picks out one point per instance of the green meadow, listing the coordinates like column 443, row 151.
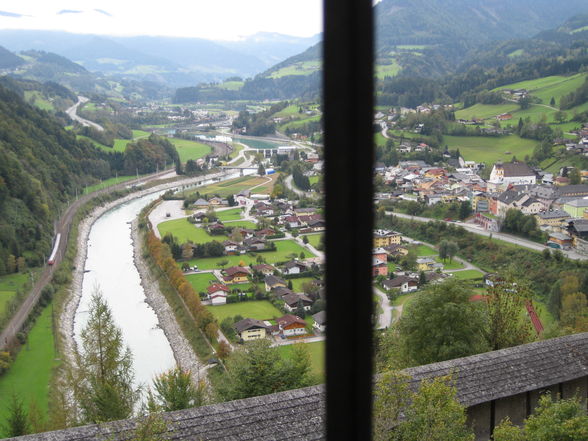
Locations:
column 491, row 149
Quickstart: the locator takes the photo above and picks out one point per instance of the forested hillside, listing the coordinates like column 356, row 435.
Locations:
column 41, row 165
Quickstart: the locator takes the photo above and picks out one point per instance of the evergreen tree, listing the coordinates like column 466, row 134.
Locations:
column 17, row 422
column 173, row 390
column 104, row 377
column 300, row 312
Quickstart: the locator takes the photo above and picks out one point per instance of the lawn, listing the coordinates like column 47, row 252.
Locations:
column 316, row 351
column 300, row 68
column 486, row 111
column 256, row 309
column 109, row 183
column 185, row 231
column 231, row 85
column 313, row 180
column 554, row 86
column 232, row 186
column 299, row 122
column 314, row 239
column 201, row 281
column 297, row 283
column 447, row 265
column 242, row 224
column 424, row 250
column 190, row 149
column 282, row 254
column 9, row 285
column 468, row 275
column 30, row 374
column 491, row 149
column 229, row 215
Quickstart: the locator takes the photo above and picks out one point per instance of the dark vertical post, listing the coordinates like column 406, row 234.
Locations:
column 348, row 110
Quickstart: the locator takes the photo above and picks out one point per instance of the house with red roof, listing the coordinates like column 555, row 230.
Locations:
column 236, row 274
column 217, row 293
column 291, row 325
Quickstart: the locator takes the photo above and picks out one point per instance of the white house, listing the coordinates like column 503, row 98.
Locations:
column 217, row 293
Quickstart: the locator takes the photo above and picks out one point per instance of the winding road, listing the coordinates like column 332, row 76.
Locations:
column 72, row 113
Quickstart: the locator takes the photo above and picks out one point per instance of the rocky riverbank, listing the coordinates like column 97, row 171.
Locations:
column 183, row 353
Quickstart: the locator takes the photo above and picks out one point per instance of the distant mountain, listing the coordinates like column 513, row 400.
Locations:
column 8, row 60
column 270, row 47
column 171, row 61
column 431, row 38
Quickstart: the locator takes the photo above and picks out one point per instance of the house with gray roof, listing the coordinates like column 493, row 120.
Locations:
column 491, row 385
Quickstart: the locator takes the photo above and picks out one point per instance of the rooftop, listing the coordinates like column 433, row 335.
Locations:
column 300, row 414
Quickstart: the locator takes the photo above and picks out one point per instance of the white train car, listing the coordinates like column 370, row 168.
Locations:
column 53, row 255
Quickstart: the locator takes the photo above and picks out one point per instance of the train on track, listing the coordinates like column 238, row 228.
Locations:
column 53, row 255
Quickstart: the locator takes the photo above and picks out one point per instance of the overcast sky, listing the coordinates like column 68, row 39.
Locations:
column 211, row 19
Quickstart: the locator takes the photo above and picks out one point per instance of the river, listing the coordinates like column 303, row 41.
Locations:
column 111, row 267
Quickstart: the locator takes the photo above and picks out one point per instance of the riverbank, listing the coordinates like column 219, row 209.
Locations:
column 183, row 353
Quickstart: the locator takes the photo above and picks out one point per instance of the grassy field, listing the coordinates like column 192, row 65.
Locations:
column 256, row 309
column 314, row 239
column 185, row 231
column 313, row 180
column 297, row 283
column 236, row 149
column 301, row 68
column 299, row 122
column 201, row 281
column 485, row 111
column 316, row 351
column 241, row 224
column 468, row 275
column 109, row 183
column 490, row 149
column 387, row 70
column 284, row 249
column 9, row 285
column 554, row 86
column 424, row 250
column 190, row 149
column 447, row 265
column 38, row 100
column 233, row 186
column 30, row 374
column 231, row 85
column 229, row 215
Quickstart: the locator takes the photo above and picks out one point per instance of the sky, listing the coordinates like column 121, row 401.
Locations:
column 210, row 19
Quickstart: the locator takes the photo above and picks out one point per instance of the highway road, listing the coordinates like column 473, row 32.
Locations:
column 502, row 236
column 72, row 113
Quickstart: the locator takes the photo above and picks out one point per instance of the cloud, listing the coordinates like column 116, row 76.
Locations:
column 10, row 14
column 101, row 11
column 69, row 11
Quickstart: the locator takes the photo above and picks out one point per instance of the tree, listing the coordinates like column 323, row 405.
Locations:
column 300, row 312
column 452, row 249
column 525, row 102
column 465, row 210
column 560, row 116
column 564, row 420
column 259, row 369
column 222, row 263
column 575, row 177
column 187, row 251
column 305, row 239
column 574, row 312
column 261, row 169
column 434, row 414
column 17, row 421
column 431, row 413
column 442, row 324
column 552, row 102
column 104, row 376
column 223, row 350
column 506, row 326
column 173, row 390
column 21, row 264
column 422, row 279
column 11, row 264
column 231, row 200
